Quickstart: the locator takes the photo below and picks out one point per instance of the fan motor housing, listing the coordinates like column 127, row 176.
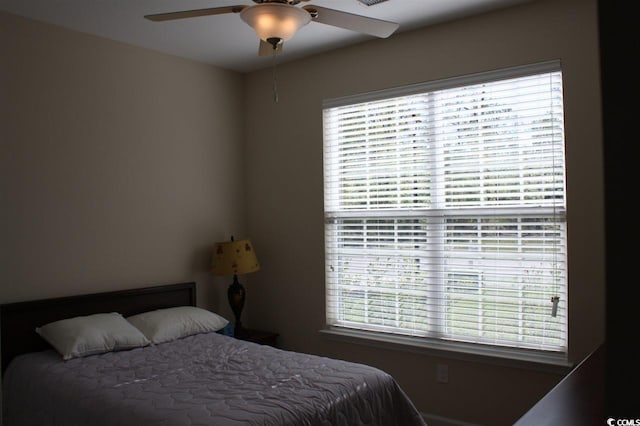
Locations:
column 371, row 2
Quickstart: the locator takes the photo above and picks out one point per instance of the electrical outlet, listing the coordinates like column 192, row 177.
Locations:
column 442, row 373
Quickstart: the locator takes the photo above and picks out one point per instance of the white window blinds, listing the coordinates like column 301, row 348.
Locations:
column 445, row 212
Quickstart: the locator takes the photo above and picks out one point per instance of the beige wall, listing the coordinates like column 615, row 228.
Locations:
column 285, row 193
column 119, row 166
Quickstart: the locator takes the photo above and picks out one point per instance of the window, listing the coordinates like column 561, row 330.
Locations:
column 445, row 211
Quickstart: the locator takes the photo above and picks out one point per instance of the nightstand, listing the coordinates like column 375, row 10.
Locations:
column 258, row 336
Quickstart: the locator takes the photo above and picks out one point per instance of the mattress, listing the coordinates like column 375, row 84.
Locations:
column 206, row 379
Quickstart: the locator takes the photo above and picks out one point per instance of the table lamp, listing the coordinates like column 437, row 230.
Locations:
column 234, row 257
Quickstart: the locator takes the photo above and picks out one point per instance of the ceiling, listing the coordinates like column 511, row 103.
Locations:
column 225, row 40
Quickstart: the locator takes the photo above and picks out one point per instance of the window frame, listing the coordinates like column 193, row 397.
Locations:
column 430, row 344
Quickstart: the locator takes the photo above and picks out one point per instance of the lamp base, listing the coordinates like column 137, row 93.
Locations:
column 236, row 295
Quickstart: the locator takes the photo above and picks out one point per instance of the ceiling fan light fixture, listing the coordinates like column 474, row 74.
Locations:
column 275, row 20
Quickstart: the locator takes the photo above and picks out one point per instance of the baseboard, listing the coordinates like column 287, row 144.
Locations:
column 433, row 420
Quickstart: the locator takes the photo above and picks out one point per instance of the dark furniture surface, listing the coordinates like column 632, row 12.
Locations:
column 618, row 36
column 18, row 321
column 258, row 336
column 578, row 400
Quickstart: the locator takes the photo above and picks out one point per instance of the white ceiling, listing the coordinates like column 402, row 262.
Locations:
column 225, row 40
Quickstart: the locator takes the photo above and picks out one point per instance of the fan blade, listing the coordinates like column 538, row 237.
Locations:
column 194, row 13
column 266, row 49
column 349, row 21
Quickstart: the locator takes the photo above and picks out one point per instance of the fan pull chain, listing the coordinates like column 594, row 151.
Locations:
column 275, row 81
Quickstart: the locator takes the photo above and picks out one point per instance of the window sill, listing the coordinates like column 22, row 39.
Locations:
column 550, row 363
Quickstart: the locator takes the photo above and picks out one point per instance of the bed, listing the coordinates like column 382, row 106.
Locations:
column 203, row 378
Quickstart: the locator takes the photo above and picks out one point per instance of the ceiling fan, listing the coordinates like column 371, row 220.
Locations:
column 276, row 21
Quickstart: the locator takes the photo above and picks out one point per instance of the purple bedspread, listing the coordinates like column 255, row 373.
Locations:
column 207, row 379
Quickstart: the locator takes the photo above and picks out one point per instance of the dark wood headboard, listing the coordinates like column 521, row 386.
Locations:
column 18, row 321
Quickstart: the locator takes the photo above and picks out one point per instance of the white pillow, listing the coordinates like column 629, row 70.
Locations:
column 92, row 334
column 164, row 325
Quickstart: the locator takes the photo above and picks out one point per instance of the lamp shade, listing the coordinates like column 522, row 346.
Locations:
column 275, row 20
column 234, row 258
